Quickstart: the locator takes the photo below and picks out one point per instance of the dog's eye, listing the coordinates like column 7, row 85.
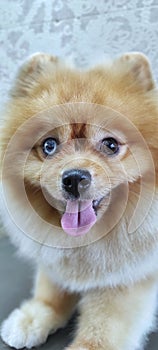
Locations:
column 49, row 146
column 109, row 146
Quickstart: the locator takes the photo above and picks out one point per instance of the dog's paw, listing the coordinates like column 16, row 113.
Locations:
column 85, row 344
column 81, row 346
column 29, row 325
column 77, row 348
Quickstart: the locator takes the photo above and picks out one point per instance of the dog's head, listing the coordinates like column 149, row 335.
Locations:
column 81, row 141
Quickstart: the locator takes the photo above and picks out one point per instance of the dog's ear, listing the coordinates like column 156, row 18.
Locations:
column 32, row 72
column 137, row 66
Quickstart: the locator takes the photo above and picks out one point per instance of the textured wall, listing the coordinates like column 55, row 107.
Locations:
column 86, row 30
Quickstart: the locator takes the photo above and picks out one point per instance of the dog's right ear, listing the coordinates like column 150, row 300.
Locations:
column 32, row 72
column 136, row 69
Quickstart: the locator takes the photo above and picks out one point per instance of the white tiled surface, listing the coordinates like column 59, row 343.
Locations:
column 85, row 30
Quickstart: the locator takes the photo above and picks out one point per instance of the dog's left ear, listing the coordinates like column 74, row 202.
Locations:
column 38, row 66
column 137, row 67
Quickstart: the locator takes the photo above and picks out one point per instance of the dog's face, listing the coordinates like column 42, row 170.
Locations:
column 76, row 166
column 86, row 138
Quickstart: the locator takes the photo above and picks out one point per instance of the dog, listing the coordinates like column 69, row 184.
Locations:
column 79, row 198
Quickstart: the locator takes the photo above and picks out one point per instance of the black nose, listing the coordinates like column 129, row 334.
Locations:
column 75, row 182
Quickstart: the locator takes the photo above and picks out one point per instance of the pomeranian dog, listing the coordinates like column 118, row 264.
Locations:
column 79, row 197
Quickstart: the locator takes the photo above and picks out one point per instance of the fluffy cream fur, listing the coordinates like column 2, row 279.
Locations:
column 113, row 280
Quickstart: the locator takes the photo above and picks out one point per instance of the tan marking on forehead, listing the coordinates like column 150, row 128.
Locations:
column 78, row 131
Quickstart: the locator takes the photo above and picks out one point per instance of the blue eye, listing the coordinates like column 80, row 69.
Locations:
column 49, row 146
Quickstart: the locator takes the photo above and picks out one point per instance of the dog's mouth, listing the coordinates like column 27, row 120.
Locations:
column 79, row 216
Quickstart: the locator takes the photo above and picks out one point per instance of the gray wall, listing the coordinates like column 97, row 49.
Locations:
column 84, row 30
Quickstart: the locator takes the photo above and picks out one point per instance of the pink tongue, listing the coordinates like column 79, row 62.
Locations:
column 78, row 218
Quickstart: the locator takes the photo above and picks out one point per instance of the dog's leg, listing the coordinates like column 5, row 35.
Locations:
column 116, row 319
column 48, row 310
